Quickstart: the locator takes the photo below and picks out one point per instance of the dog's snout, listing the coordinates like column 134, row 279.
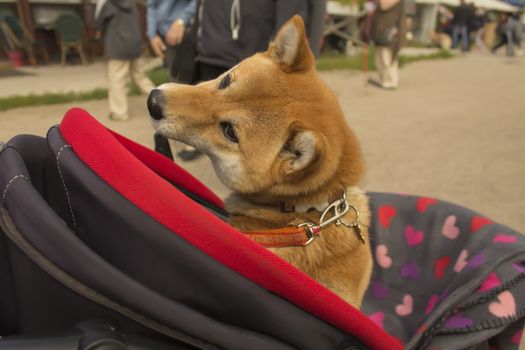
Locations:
column 156, row 104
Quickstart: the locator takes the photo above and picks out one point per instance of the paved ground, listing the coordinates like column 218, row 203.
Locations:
column 454, row 130
column 60, row 79
column 79, row 78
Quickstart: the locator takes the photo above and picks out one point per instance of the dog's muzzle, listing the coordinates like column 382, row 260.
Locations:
column 156, row 104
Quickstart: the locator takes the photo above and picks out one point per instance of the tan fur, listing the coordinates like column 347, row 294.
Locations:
column 294, row 146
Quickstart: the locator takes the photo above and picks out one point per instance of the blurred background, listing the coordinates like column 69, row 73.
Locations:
column 450, row 125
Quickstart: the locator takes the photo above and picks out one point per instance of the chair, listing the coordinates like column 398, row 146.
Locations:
column 69, row 30
column 18, row 37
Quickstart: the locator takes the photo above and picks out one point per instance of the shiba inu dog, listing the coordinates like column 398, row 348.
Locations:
column 277, row 138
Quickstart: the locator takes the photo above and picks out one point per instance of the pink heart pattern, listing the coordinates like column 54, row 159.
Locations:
column 439, row 252
column 382, row 257
column 412, row 236
column 450, row 230
column 406, row 307
column 462, row 261
column 505, row 306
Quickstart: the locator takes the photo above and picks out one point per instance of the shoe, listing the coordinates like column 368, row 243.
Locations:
column 375, row 83
column 119, row 119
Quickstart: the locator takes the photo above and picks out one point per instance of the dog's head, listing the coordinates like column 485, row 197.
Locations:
column 269, row 125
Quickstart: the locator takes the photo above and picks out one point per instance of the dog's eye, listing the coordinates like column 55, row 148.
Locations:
column 229, row 132
column 225, row 82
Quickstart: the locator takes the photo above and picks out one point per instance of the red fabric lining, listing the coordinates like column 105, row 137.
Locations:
column 168, row 170
column 110, row 157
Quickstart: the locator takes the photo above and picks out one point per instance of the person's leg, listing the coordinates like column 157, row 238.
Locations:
column 464, row 39
column 478, row 39
column 391, row 70
column 118, row 71
column 137, row 74
column 518, row 39
column 380, row 63
column 502, row 41
column 510, row 43
column 455, row 34
column 169, row 56
column 394, row 73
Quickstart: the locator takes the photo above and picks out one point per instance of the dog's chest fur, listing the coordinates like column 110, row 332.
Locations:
column 337, row 259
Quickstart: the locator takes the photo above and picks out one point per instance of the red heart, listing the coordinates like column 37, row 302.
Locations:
column 423, row 203
column 386, row 213
column 440, row 266
column 478, row 222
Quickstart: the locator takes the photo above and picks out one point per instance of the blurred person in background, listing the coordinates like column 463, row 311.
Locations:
column 167, row 21
column 478, row 26
column 490, row 29
column 510, row 32
column 387, row 31
column 119, row 23
column 463, row 17
column 315, row 23
column 518, row 29
column 441, row 36
column 231, row 30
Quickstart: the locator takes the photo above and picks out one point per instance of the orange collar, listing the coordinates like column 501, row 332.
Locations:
column 303, row 234
column 290, row 236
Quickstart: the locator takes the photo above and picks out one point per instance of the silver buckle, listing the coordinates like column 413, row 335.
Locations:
column 339, row 207
column 309, row 226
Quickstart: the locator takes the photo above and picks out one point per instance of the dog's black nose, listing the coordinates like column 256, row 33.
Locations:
column 156, row 104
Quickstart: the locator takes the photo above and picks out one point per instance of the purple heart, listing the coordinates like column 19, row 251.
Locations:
column 410, row 270
column 379, row 291
column 476, row 261
column 520, row 268
column 458, row 321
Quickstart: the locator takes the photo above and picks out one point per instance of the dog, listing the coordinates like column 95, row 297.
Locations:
column 277, row 138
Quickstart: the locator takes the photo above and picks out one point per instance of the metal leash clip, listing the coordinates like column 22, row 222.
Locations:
column 340, row 207
column 312, row 231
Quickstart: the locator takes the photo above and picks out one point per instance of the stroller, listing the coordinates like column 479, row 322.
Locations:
column 106, row 244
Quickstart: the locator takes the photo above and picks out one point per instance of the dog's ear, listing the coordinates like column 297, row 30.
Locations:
column 290, row 47
column 302, row 152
